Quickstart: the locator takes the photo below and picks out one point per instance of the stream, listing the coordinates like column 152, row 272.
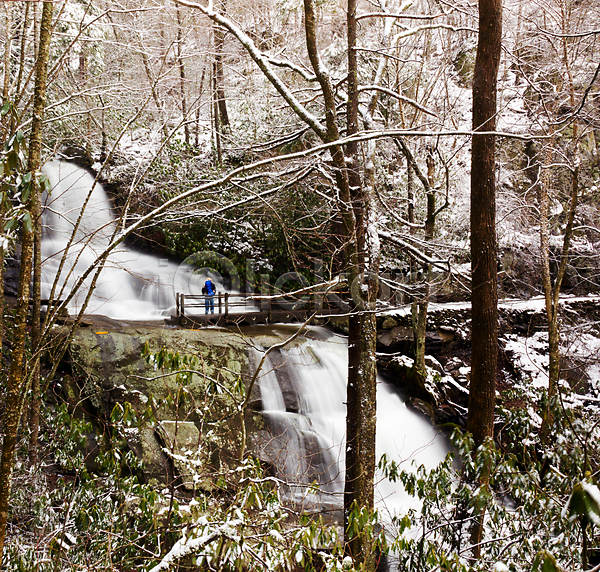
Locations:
column 303, row 388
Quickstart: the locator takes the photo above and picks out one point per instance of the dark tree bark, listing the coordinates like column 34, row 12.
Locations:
column 484, row 296
column 17, row 374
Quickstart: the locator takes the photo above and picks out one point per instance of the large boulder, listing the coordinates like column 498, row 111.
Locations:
column 114, row 364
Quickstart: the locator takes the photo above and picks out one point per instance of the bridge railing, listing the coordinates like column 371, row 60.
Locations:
column 223, row 303
column 226, row 303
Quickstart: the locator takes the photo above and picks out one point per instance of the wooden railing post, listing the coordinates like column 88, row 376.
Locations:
column 220, row 303
column 226, row 303
column 269, row 311
column 177, row 305
column 182, row 304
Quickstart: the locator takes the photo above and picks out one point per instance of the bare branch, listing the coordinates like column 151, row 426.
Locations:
column 402, row 16
column 262, row 62
column 398, row 96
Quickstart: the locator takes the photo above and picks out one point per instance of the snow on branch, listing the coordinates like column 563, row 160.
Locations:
column 338, row 281
column 262, row 62
column 398, row 96
column 402, row 16
column 418, row 254
column 287, row 64
column 187, row 546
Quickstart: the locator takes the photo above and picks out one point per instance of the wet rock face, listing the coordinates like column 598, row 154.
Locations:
column 444, row 396
column 395, row 339
column 109, row 368
column 199, row 426
column 448, row 340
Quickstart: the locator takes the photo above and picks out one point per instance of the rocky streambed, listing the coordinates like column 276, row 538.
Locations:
column 111, row 363
column 523, row 353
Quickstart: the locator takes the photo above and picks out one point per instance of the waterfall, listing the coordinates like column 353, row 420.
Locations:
column 303, row 388
column 132, row 285
column 303, row 392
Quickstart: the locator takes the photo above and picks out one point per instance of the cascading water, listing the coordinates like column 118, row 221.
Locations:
column 303, row 391
column 132, row 285
column 306, row 419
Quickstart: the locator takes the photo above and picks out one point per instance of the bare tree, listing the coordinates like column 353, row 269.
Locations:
column 17, row 376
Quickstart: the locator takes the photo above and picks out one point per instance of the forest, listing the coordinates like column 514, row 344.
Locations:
column 409, row 160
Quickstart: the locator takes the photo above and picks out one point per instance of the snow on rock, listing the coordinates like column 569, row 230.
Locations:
column 529, row 357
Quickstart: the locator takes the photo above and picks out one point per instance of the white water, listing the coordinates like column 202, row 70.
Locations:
column 306, row 445
column 132, row 285
column 317, row 370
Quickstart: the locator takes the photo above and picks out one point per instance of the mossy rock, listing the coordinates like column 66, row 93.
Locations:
column 109, row 368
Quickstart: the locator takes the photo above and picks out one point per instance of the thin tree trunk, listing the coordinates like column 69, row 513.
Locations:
column 5, row 133
column 419, row 309
column 552, row 291
column 219, row 75
column 14, row 397
column 34, row 415
column 181, row 66
column 410, row 195
column 197, row 123
column 22, row 50
column 216, row 119
column 551, row 311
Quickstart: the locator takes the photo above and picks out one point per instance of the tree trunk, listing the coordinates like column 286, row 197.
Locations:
column 410, row 196
column 36, row 341
column 216, row 120
column 484, row 333
column 219, row 75
column 552, row 291
column 483, row 226
column 419, row 309
column 362, row 335
column 22, row 50
column 419, row 327
column 181, row 66
column 153, row 86
column 6, row 123
column 543, row 192
column 14, row 397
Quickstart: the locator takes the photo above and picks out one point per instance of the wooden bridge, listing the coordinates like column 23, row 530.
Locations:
column 242, row 309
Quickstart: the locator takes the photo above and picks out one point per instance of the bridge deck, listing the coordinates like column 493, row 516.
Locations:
column 233, row 309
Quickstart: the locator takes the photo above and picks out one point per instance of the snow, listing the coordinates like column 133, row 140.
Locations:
column 529, row 356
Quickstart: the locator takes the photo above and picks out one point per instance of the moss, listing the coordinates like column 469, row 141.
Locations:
column 464, row 64
column 110, row 368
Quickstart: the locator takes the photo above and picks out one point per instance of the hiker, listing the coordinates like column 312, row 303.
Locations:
column 209, row 292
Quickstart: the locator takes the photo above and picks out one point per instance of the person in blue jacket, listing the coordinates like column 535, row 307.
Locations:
column 209, row 292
